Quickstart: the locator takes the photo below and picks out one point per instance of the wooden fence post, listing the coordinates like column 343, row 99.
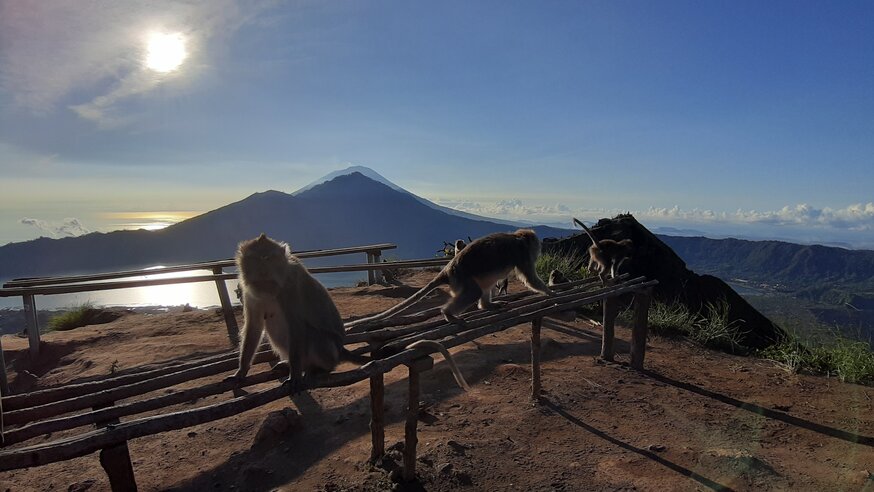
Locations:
column 116, row 462
column 377, row 419
column 31, row 324
column 4, row 382
column 410, row 427
column 370, row 273
column 535, row 359
column 377, row 274
column 641, row 325
column 610, row 312
column 227, row 309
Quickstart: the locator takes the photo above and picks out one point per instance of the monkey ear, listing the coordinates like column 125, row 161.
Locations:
column 262, row 237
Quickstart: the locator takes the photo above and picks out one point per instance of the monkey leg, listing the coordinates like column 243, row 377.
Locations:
column 467, row 295
column 486, row 302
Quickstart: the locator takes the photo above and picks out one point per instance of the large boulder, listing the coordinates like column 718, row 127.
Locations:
column 653, row 259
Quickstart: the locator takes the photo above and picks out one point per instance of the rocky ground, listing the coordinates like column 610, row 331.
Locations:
column 694, row 420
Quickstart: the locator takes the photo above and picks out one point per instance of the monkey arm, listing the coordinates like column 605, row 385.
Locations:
column 529, row 276
column 253, row 326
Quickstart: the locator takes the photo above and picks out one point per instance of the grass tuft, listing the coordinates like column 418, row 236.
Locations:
column 76, row 317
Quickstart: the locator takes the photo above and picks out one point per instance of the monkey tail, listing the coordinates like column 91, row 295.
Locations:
column 439, row 280
column 588, row 231
column 459, row 377
column 348, row 356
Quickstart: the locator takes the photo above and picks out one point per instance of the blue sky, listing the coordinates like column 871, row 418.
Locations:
column 732, row 118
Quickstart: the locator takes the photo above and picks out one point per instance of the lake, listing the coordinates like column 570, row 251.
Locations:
column 199, row 294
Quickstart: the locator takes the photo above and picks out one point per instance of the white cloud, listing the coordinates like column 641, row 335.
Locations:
column 89, row 55
column 69, row 227
column 856, row 217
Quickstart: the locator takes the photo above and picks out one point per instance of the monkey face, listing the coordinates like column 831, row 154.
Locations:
column 262, row 262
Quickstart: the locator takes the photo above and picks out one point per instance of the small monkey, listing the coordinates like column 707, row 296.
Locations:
column 607, row 254
column 459, row 245
column 282, row 298
column 302, row 322
column 472, row 273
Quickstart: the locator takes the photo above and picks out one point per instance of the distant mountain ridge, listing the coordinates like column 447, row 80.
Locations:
column 348, row 210
column 810, row 270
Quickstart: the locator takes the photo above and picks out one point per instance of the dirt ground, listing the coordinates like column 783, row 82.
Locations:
column 694, row 420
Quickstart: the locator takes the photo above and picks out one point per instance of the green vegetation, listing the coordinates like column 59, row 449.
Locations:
column 711, row 329
column 571, row 265
column 852, row 361
column 80, row 315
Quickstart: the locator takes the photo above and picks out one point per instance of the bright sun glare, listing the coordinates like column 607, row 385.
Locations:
column 165, row 52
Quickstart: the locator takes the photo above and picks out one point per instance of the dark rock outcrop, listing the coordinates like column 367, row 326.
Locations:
column 655, row 260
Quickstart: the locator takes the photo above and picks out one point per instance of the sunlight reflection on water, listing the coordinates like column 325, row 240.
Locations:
column 200, row 294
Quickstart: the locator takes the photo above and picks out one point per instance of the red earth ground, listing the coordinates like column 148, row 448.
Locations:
column 694, row 420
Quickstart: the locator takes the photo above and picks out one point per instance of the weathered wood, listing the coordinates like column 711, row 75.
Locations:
column 31, row 324
column 207, row 265
column 535, row 359
column 119, row 393
column 41, row 427
column 83, row 444
column 354, row 329
column 371, row 279
column 125, row 284
column 607, row 336
column 227, row 309
column 377, row 417
column 48, row 395
column 479, row 318
column 4, row 382
column 410, row 426
column 378, row 277
column 640, row 327
column 116, row 461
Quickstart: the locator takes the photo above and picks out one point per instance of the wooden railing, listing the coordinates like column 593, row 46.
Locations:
column 28, row 288
column 38, row 414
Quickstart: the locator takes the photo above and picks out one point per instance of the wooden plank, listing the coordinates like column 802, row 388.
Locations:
column 378, row 277
column 535, row 359
column 608, row 322
column 48, row 395
column 227, row 309
column 116, row 462
column 410, row 426
column 119, row 393
column 125, row 284
column 4, row 382
column 42, row 427
column 207, row 265
column 31, row 324
column 377, row 417
column 370, row 272
column 640, row 327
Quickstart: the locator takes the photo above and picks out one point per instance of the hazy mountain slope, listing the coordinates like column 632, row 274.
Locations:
column 346, row 211
column 796, row 268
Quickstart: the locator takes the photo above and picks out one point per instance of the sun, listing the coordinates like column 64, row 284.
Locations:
column 165, row 52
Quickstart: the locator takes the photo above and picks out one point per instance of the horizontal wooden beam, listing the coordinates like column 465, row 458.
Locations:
column 126, row 284
column 30, row 414
column 207, row 265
